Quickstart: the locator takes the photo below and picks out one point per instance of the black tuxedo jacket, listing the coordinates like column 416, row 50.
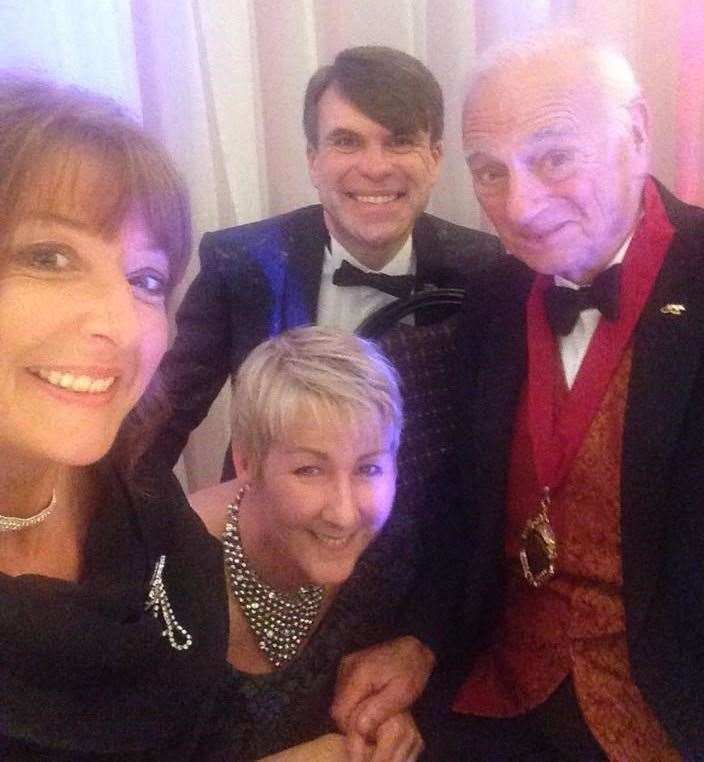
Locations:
column 260, row 279
column 662, row 479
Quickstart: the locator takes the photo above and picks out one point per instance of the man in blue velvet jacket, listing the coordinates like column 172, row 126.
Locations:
column 373, row 122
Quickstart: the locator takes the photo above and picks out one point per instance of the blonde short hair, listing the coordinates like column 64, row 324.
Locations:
column 71, row 152
column 316, row 371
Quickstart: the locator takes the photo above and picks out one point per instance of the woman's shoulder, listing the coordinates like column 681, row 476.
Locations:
column 210, row 503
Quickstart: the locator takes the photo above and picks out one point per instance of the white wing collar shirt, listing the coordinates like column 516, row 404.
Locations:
column 346, row 306
column 573, row 346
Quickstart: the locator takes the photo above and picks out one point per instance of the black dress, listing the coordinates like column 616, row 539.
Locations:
column 86, row 672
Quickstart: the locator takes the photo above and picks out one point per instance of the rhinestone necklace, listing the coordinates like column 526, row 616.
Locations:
column 280, row 622
column 16, row 523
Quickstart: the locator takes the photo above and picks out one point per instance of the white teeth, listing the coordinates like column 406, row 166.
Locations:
column 377, row 199
column 333, row 542
column 100, row 385
column 84, row 384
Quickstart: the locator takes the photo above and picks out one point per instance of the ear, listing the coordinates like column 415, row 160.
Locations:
column 436, row 154
column 640, row 125
column 312, row 157
column 243, row 463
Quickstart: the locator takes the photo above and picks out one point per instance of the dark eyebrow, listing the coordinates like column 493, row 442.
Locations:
column 477, row 155
column 341, row 132
column 400, row 132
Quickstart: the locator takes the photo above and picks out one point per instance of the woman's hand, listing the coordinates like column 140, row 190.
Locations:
column 396, row 740
column 379, row 683
column 328, row 748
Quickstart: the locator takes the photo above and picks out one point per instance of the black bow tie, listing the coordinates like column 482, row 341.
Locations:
column 347, row 274
column 563, row 304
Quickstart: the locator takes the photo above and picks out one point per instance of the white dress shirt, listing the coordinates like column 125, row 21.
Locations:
column 346, row 306
column 573, row 346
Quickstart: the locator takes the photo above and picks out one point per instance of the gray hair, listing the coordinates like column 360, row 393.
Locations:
column 604, row 66
column 315, row 371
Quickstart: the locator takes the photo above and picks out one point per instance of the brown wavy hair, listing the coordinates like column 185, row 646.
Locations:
column 67, row 151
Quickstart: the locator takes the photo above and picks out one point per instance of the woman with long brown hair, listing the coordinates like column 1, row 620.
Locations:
column 112, row 633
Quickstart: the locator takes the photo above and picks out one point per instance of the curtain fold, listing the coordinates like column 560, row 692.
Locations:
column 689, row 129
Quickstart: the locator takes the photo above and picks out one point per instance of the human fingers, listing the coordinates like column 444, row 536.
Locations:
column 379, row 682
column 356, row 680
column 358, row 750
column 398, row 740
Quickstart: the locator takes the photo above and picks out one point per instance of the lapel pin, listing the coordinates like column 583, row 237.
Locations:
column 673, row 309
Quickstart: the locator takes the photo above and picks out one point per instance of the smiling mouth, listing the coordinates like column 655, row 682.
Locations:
column 331, row 541
column 375, row 198
column 74, row 383
column 540, row 236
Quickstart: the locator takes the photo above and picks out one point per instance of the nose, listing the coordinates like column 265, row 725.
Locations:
column 526, row 196
column 109, row 311
column 374, row 161
column 341, row 506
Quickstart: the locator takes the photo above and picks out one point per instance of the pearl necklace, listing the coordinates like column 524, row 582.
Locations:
column 16, row 523
column 280, row 622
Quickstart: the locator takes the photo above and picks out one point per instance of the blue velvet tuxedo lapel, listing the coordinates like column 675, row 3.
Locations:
column 304, row 239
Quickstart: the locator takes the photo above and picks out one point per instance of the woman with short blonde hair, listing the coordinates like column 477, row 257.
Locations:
column 317, row 418
column 320, row 372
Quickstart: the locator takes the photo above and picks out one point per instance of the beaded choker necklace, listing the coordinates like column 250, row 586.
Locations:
column 280, row 622
column 16, row 523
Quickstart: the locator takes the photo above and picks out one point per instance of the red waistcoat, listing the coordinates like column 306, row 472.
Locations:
column 576, row 622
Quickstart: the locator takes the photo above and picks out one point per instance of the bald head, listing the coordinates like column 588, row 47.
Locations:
column 555, row 135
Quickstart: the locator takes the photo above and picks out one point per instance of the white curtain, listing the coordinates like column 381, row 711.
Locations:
column 221, row 83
